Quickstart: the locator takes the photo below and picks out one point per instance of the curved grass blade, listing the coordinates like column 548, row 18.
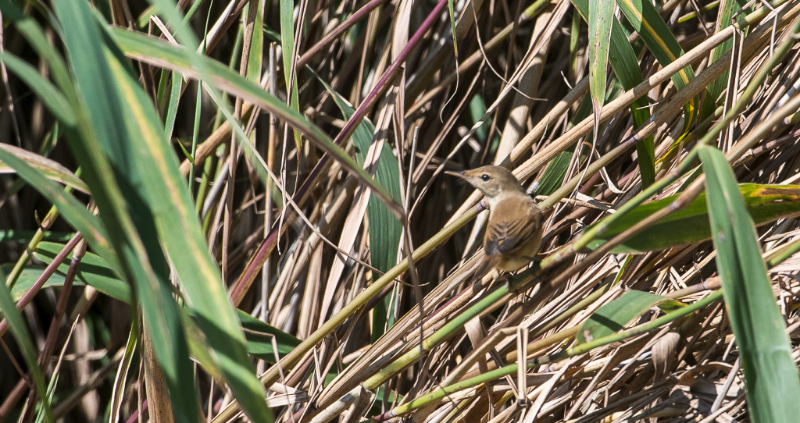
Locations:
column 159, row 53
column 166, row 202
column 259, row 338
column 764, row 203
column 771, row 378
column 92, row 271
column 29, row 276
column 50, row 96
column 49, row 168
column 30, row 29
column 92, row 228
column 114, row 188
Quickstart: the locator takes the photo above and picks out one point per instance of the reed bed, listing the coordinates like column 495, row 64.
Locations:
column 206, row 204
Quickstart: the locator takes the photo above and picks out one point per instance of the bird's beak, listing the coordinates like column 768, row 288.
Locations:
column 459, row 173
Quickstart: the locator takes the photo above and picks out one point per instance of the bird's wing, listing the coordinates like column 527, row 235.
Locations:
column 512, row 223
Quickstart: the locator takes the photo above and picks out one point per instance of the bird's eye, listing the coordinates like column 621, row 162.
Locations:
column 485, row 177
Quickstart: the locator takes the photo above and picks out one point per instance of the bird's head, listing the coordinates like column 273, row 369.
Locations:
column 492, row 181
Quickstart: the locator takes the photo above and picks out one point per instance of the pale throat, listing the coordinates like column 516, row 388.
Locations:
column 494, row 200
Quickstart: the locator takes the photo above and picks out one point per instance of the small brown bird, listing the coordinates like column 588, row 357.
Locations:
column 514, row 232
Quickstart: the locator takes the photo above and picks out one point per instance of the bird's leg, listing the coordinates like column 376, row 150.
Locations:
column 490, row 278
column 493, row 276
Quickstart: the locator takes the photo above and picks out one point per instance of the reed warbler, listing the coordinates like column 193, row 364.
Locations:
column 514, row 231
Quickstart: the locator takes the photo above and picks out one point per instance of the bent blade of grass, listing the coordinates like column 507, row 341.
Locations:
column 49, row 168
column 38, row 40
column 100, row 141
column 159, row 53
column 612, row 317
column 93, row 270
column 165, row 200
column 75, row 213
column 191, row 61
column 764, row 203
column 29, row 276
column 260, row 336
column 760, row 331
column 172, row 210
column 47, row 92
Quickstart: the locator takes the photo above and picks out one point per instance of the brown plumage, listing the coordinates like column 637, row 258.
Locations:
column 514, row 231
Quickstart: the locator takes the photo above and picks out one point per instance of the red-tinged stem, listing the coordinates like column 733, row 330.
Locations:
column 52, row 333
column 135, row 416
column 22, row 385
column 337, row 32
column 48, row 271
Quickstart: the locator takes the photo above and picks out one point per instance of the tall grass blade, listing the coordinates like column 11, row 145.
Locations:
column 90, row 226
column 770, row 373
column 384, row 229
column 287, row 45
column 601, row 15
column 624, row 62
column 48, row 168
column 140, row 255
column 662, row 43
column 93, row 270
